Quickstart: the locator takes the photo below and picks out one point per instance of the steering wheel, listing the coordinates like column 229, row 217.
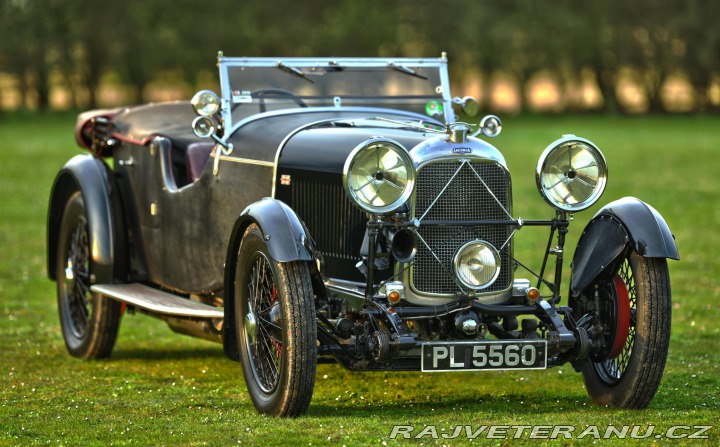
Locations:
column 273, row 92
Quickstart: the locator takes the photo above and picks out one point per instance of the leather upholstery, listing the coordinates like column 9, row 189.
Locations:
column 196, row 156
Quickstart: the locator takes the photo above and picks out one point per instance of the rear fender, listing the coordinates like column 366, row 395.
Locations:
column 622, row 223
column 92, row 177
column 287, row 240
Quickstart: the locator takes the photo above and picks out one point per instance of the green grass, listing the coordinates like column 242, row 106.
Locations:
column 166, row 389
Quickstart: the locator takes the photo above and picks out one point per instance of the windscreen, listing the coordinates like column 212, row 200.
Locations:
column 251, row 89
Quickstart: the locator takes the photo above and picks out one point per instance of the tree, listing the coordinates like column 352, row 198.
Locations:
column 24, row 43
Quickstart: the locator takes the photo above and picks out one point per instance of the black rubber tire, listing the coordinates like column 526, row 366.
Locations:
column 637, row 383
column 290, row 392
column 89, row 321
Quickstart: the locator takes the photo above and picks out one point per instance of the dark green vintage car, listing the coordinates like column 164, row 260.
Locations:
column 335, row 210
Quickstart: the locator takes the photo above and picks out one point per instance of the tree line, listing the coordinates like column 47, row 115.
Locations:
column 82, row 40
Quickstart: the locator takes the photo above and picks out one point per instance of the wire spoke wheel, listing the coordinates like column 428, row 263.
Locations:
column 89, row 322
column 634, row 323
column 77, row 280
column 264, row 341
column 276, row 328
column 611, row 370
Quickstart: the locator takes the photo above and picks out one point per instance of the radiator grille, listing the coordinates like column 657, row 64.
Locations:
column 336, row 225
column 465, row 198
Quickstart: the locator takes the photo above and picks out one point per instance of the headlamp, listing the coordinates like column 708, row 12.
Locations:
column 379, row 175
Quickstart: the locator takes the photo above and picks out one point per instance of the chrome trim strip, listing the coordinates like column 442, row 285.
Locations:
column 247, row 161
column 427, row 299
column 225, row 105
column 225, row 62
column 357, row 62
column 304, row 110
column 450, row 116
column 439, row 149
column 282, row 144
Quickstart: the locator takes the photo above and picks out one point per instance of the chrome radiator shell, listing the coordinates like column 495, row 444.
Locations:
column 464, row 198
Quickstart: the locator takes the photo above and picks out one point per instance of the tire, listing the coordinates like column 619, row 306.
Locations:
column 276, row 328
column 89, row 321
column 631, row 379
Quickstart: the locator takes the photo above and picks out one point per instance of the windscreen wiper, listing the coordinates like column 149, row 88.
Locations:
column 421, row 125
column 406, row 70
column 294, row 71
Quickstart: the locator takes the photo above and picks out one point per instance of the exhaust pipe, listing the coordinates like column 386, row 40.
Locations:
column 204, row 329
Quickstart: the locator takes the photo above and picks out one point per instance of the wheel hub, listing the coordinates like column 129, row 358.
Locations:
column 69, row 279
column 69, row 271
column 622, row 323
column 251, row 326
column 274, row 320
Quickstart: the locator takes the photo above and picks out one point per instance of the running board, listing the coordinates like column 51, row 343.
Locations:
column 157, row 301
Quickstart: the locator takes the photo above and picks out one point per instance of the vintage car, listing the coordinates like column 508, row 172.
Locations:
column 335, row 210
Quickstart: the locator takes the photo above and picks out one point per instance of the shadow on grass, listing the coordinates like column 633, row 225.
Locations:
column 168, row 354
column 501, row 406
column 669, row 397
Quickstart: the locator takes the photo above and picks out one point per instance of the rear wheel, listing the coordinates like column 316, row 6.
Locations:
column 89, row 321
column 635, row 314
column 276, row 332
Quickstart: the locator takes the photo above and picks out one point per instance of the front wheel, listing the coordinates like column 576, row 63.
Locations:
column 276, row 328
column 635, row 313
column 89, row 321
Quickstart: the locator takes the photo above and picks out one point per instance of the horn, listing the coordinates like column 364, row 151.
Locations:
column 404, row 246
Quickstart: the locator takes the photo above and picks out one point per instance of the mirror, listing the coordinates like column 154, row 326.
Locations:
column 203, row 127
column 468, row 104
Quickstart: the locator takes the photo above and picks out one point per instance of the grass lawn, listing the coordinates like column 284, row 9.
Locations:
column 160, row 388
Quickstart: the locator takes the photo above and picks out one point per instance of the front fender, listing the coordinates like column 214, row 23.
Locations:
column 89, row 175
column 284, row 232
column 628, row 221
column 287, row 240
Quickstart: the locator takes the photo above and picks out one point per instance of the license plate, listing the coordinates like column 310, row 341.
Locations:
column 484, row 355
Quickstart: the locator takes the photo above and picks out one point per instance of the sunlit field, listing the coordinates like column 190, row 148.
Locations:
column 160, row 388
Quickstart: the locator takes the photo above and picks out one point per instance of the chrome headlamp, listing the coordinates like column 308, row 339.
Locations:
column 379, row 175
column 477, row 265
column 205, row 103
column 571, row 174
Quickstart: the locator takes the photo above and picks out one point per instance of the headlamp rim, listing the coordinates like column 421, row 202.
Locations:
column 498, row 266
column 194, row 102
column 602, row 177
column 400, row 150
